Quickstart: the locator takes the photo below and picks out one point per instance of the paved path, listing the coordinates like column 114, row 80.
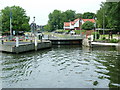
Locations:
column 22, row 42
column 14, row 43
column 105, row 44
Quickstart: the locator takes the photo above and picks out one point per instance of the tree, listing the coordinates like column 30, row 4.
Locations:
column 78, row 15
column 88, row 15
column 20, row 22
column 88, row 25
column 54, row 20
column 113, row 14
column 47, row 28
column 101, row 17
column 69, row 15
column 0, row 23
column 57, row 19
column 109, row 12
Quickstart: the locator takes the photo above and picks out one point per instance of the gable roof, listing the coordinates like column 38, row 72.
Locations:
column 67, row 24
column 91, row 20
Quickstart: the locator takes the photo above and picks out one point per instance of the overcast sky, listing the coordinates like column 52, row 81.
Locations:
column 41, row 8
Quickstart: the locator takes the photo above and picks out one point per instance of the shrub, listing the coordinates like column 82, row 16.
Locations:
column 79, row 31
column 97, row 35
column 88, row 25
column 114, row 41
column 103, row 38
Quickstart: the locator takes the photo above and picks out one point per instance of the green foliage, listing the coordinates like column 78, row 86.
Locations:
column 97, row 35
column 47, row 28
column 62, row 31
column 78, row 15
column 88, row 25
column 79, row 31
column 95, row 83
column 109, row 12
column 0, row 23
column 88, row 15
column 69, row 15
column 104, row 38
column 20, row 22
column 114, row 41
column 57, row 19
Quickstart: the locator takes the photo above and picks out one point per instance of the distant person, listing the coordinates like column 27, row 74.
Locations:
column 118, row 33
column 72, row 32
column 110, row 35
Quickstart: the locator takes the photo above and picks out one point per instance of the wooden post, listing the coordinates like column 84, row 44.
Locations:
column 17, row 41
column 2, row 41
column 36, row 43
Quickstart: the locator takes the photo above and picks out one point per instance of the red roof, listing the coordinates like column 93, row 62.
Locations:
column 72, row 22
column 76, row 20
column 91, row 20
column 66, row 24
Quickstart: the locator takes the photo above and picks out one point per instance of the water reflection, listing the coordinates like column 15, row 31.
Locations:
column 62, row 67
column 110, row 68
column 19, row 66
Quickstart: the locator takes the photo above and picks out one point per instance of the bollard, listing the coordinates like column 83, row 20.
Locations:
column 41, row 38
column 36, row 43
column 17, row 42
column 30, row 41
column 2, row 41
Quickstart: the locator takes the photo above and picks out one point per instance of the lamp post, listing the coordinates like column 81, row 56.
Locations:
column 103, row 22
column 80, row 26
column 95, row 29
column 10, row 23
column 35, row 35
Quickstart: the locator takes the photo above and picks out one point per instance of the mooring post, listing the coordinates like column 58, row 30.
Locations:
column 2, row 41
column 31, row 39
column 17, row 41
column 41, row 37
column 36, row 43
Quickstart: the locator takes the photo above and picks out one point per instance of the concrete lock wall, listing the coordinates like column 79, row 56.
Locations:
column 24, row 47
column 6, row 48
column 86, row 42
column 30, row 47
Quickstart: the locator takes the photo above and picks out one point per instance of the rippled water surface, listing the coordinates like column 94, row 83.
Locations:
column 62, row 67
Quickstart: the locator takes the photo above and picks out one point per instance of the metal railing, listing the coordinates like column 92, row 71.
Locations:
column 63, row 37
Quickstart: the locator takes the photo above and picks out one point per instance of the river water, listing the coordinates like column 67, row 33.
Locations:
column 62, row 67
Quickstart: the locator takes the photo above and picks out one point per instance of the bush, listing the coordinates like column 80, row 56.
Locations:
column 78, row 31
column 97, row 35
column 103, row 38
column 62, row 31
column 88, row 25
column 114, row 41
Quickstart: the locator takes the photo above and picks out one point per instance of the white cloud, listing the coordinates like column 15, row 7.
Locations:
column 41, row 8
